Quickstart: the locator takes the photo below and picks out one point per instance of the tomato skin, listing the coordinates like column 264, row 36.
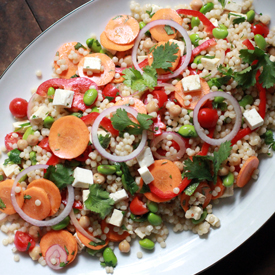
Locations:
column 161, row 96
column 10, row 140
column 110, row 91
column 53, row 160
column 44, row 144
column 260, row 28
column 208, row 117
column 22, row 240
column 18, row 107
column 137, row 207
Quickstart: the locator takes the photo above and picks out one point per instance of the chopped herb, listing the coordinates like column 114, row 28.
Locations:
column 170, row 176
column 93, row 252
column 73, row 252
column 168, row 29
column 110, row 98
column 223, row 2
column 2, row 205
column 152, row 48
column 74, row 76
column 145, row 189
column 118, row 16
column 164, row 162
column 28, row 246
column 27, row 197
column 102, row 242
column 62, row 264
column 104, row 140
column 190, row 189
column 151, row 13
column 57, row 149
column 123, row 227
column 79, row 45
column 22, row 126
column 239, row 20
column 13, row 157
column 66, row 249
column 128, row 181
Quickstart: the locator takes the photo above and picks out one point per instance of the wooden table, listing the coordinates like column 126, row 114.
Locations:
column 27, row 19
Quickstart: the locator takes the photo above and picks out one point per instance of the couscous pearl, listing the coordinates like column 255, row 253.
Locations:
column 37, row 202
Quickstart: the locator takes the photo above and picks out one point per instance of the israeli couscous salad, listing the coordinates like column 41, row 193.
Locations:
column 142, row 129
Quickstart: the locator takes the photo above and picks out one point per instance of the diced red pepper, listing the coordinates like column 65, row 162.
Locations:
column 85, row 155
column 248, row 44
column 262, row 96
column 161, row 96
column 158, row 126
column 10, row 140
column 205, row 146
column 144, row 63
column 76, row 205
column 205, row 45
column 241, row 134
column 53, row 160
column 44, row 144
column 137, row 207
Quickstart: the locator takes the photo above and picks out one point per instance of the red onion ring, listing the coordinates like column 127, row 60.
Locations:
column 31, row 104
column 30, row 220
column 177, row 138
column 182, row 31
column 101, row 150
column 58, row 253
column 238, row 122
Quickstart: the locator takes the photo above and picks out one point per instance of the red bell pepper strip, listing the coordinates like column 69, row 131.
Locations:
column 262, row 96
column 44, row 144
column 241, row 134
column 205, row 146
column 144, row 63
column 85, row 155
column 53, row 160
column 205, row 21
column 158, row 126
column 248, row 44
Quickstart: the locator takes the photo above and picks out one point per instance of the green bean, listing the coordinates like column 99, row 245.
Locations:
column 218, row 99
column 105, row 169
column 197, row 59
column 147, row 244
column 195, row 39
column 109, row 257
column 246, row 100
column 79, row 115
column 33, row 158
column 250, row 16
column 62, row 224
column 207, row 7
column 220, row 33
column 152, row 206
column 48, row 121
column 138, row 218
column 187, row 131
column 228, row 180
column 90, row 97
column 203, row 216
column 260, row 41
column 142, row 24
column 154, row 219
column 28, row 132
column 195, row 22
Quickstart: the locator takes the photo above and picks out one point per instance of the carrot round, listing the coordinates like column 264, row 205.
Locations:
column 52, row 191
column 196, row 96
column 218, row 184
column 62, row 238
column 109, row 69
column 69, row 137
column 38, row 212
column 112, row 235
column 122, row 29
column 246, row 172
column 158, row 32
column 86, row 242
column 5, row 196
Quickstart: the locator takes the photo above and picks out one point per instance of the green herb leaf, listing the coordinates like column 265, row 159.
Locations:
column 79, row 45
column 66, row 249
column 27, row 197
column 218, row 82
column 13, row 157
column 238, row 20
column 190, row 189
column 151, row 13
column 123, row 227
column 28, row 246
column 128, row 181
column 104, row 140
column 74, row 76
column 145, row 189
column 22, row 126
column 2, row 204
column 110, row 98
column 93, row 252
column 62, row 264
column 168, row 29
column 102, row 242
column 223, row 2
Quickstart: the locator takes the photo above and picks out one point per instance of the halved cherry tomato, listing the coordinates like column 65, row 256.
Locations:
column 23, row 241
column 10, row 140
column 53, row 160
column 44, row 144
column 161, row 96
column 260, row 28
column 137, row 207
column 18, row 107
column 110, row 91
column 85, row 155
column 76, row 205
column 208, row 117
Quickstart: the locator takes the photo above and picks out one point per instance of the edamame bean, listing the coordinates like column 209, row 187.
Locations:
column 195, row 22
column 109, row 257
column 95, row 109
column 154, row 219
column 197, row 59
column 105, row 169
column 222, row 26
column 33, row 157
column 142, row 24
column 96, row 47
column 28, row 132
column 79, row 115
column 195, row 39
column 62, row 224
column 147, row 244
column 90, row 97
column 89, row 42
column 228, row 180
column 250, row 16
column 48, row 121
column 220, row 33
column 203, row 216
column 187, row 131
column 260, row 41
column 152, row 206
column 218, row 99
column 207, row 7
column 246, row 100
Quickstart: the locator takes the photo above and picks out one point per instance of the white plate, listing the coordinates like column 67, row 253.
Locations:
column 186, row 253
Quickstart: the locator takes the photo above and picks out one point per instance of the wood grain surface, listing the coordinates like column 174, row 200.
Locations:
column 28, row 19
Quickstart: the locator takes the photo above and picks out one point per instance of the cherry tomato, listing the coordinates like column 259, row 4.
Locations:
column 85, row 155
column 10, row 140
column 18, row 107
column 44, row 144
column 137, row 207
column 110, row 91
column 260, row 28
column 23, row 241
column 53, row 160
column 208, row 117
column 161, row 96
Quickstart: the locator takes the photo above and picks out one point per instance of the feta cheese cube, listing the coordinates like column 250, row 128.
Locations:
column 234, row 15
column 232, row 6
column 80, row 245
column 85, row 194
column 9, row 169
column 215, row 22
column 82, row 178
column 140, row 58
column 213, row 220
column 92, row 64
column 191, row 83
column 194, row 212
column 41, row 113
column 116, row 218
column 145, row 158
column 180, row 44
column 272, row 58
column 210, row 64
column 21, row 126
column 63, row 98
column 253, row 119
column 139, row 233
column 119, row 195
column 145, row 174
column 229, row 191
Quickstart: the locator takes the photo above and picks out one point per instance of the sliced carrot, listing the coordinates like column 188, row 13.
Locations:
column 138, row 105
column 122, row 29
column 218, row 184
column 63, row 238
column 110, row 45
column 158, row 32
column 109, row 69
column 63, row 53
column 69, row 137
column 52, row 191
column 38, row 212
column 87, row 242
column 246, row 172
column 173, row 64
column 112, row 235
column 5, row 196
column 196, row 96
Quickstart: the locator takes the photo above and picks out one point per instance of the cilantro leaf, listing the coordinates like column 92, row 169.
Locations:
column 93, row 252
column 98, row 201
column 28, row 246
column 60, row 175
column 150, row 77
column 267, row 76
column 66, row 249
column 223, row 2
column 102, row 242
column 128, row 181
column 151, row 13
column 27, row 197
column 104, row 140
column 62, row 264
column 190, row 189
column 13, row 157
column 239, row 20
column 2, row 204
column 168, row 29
column 218, row 82
column 246, row 77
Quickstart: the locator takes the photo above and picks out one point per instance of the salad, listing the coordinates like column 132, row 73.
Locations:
column 148, row 125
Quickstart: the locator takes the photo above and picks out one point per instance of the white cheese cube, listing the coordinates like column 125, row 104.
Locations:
column 21, row 126
column 229, row 192
column 272, row 58
column 140, row 58
column 85, row 194
column 145, row 158
column 194, row 212
column 116, row 218
column 210, row 64
column 214, row 22
column 80, row 245
column 191, row 83
column 235, row 15
column 253, row 119
column 92, row 64
column 180, row 45
column 139, row 233
column 145, row 174
column 213, row 220
column 41, row 113
column 63, row 98
column 232, row 6
column 82, row 178
column 9, row 169
column 119, row 195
